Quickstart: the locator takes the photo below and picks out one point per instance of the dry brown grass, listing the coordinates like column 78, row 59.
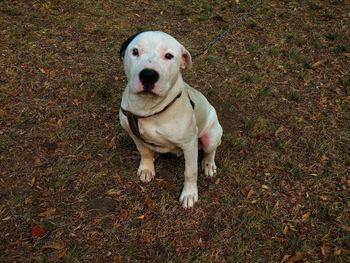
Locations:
column 280, row 84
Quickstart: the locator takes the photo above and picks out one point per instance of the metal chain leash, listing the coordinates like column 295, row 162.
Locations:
column 235, row 24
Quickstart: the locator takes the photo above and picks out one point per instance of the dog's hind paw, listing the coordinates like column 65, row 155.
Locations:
column 209, row 167
column 189, row 195
column 146, row 175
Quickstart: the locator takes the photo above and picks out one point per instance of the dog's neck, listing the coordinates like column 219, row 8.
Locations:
column 142, row 105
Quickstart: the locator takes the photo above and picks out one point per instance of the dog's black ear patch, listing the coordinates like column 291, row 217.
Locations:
column 126, row 43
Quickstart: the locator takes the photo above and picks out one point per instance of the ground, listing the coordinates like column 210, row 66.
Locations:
column 281, row 86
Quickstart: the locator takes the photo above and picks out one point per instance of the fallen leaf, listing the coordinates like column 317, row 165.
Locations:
column 285, row 258
column 345, row 251
column 325, row 249
column 297, row 257
column 141, row 217
column 323, row 102
column 61, row 254
column 324, row 158
column 323, row 198
column 44, row 70
column 279, row 130
column 32, row 182
column 337, row 252
column 346, row 228
column 251, row 192
column 76, row 102
column 55, row 245
column 316, row 116
column 318, row 63
column 345, row 181
column 113, row 143
column 117, row 259
column 113, row 192
column 48, row 213
column 277, row 204
column 28, row 200
column 285, row 230
column 37, row 160
column 148, row 202
column 264, row 186
column 291, row 227
column 60, row 123
column 306, row 216
column 124, row 214
column 38, row 232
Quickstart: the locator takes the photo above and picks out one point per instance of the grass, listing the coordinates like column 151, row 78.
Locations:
column 279, row 84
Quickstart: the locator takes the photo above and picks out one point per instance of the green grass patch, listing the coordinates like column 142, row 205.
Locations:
column 345, row 82
column 293, row 170
column 266, row 91
column 249, row 123
column 249, row 78
column 282, row 143
column 296, row 244
column 317, row 45
column 342, row 48
column 295, row 96
column 252, row 224
column 331, row 36
column 297, row 57
column 236, row 144
column 314, row 5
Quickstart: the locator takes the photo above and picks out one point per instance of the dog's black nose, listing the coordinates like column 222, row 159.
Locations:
column 148, row 77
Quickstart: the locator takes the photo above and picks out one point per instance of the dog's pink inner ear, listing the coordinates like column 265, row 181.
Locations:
column 186, row 60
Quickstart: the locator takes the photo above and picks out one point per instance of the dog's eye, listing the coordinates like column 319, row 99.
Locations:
column 169, row 56
column 135, row 52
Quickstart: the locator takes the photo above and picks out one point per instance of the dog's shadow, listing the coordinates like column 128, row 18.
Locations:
column 167, row 163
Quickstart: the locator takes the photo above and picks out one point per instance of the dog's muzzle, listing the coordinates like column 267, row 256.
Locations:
column 148, row 78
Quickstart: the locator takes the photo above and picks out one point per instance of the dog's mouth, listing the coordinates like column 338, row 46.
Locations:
column 148, row 90
column 147, row 93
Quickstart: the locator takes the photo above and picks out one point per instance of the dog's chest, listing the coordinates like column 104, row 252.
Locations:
column 149, row 130
column 154, row 133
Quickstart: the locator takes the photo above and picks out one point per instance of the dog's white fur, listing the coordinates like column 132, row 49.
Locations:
column 179, row 127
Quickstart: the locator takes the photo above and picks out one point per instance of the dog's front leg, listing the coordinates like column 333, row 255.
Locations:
column 189, row 193
column 146, row 170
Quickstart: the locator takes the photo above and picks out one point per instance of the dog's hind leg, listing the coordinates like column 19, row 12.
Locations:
column 210, row 141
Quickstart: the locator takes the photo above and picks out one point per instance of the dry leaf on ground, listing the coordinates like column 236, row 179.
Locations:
column 48, row 213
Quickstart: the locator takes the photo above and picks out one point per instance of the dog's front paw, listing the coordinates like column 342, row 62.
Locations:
column 146, row 175
column 146, row 171
column 189, row 195
column 209, row 167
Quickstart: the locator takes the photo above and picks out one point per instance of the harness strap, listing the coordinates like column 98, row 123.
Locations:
column 133, row 118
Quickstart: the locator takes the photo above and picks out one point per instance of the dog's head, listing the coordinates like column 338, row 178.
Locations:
column 152, row 62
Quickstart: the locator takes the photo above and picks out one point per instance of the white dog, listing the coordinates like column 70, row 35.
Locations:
column 162, row 113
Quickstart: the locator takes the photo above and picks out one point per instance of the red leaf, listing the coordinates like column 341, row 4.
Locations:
column 38, row 232
column 117, row 259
